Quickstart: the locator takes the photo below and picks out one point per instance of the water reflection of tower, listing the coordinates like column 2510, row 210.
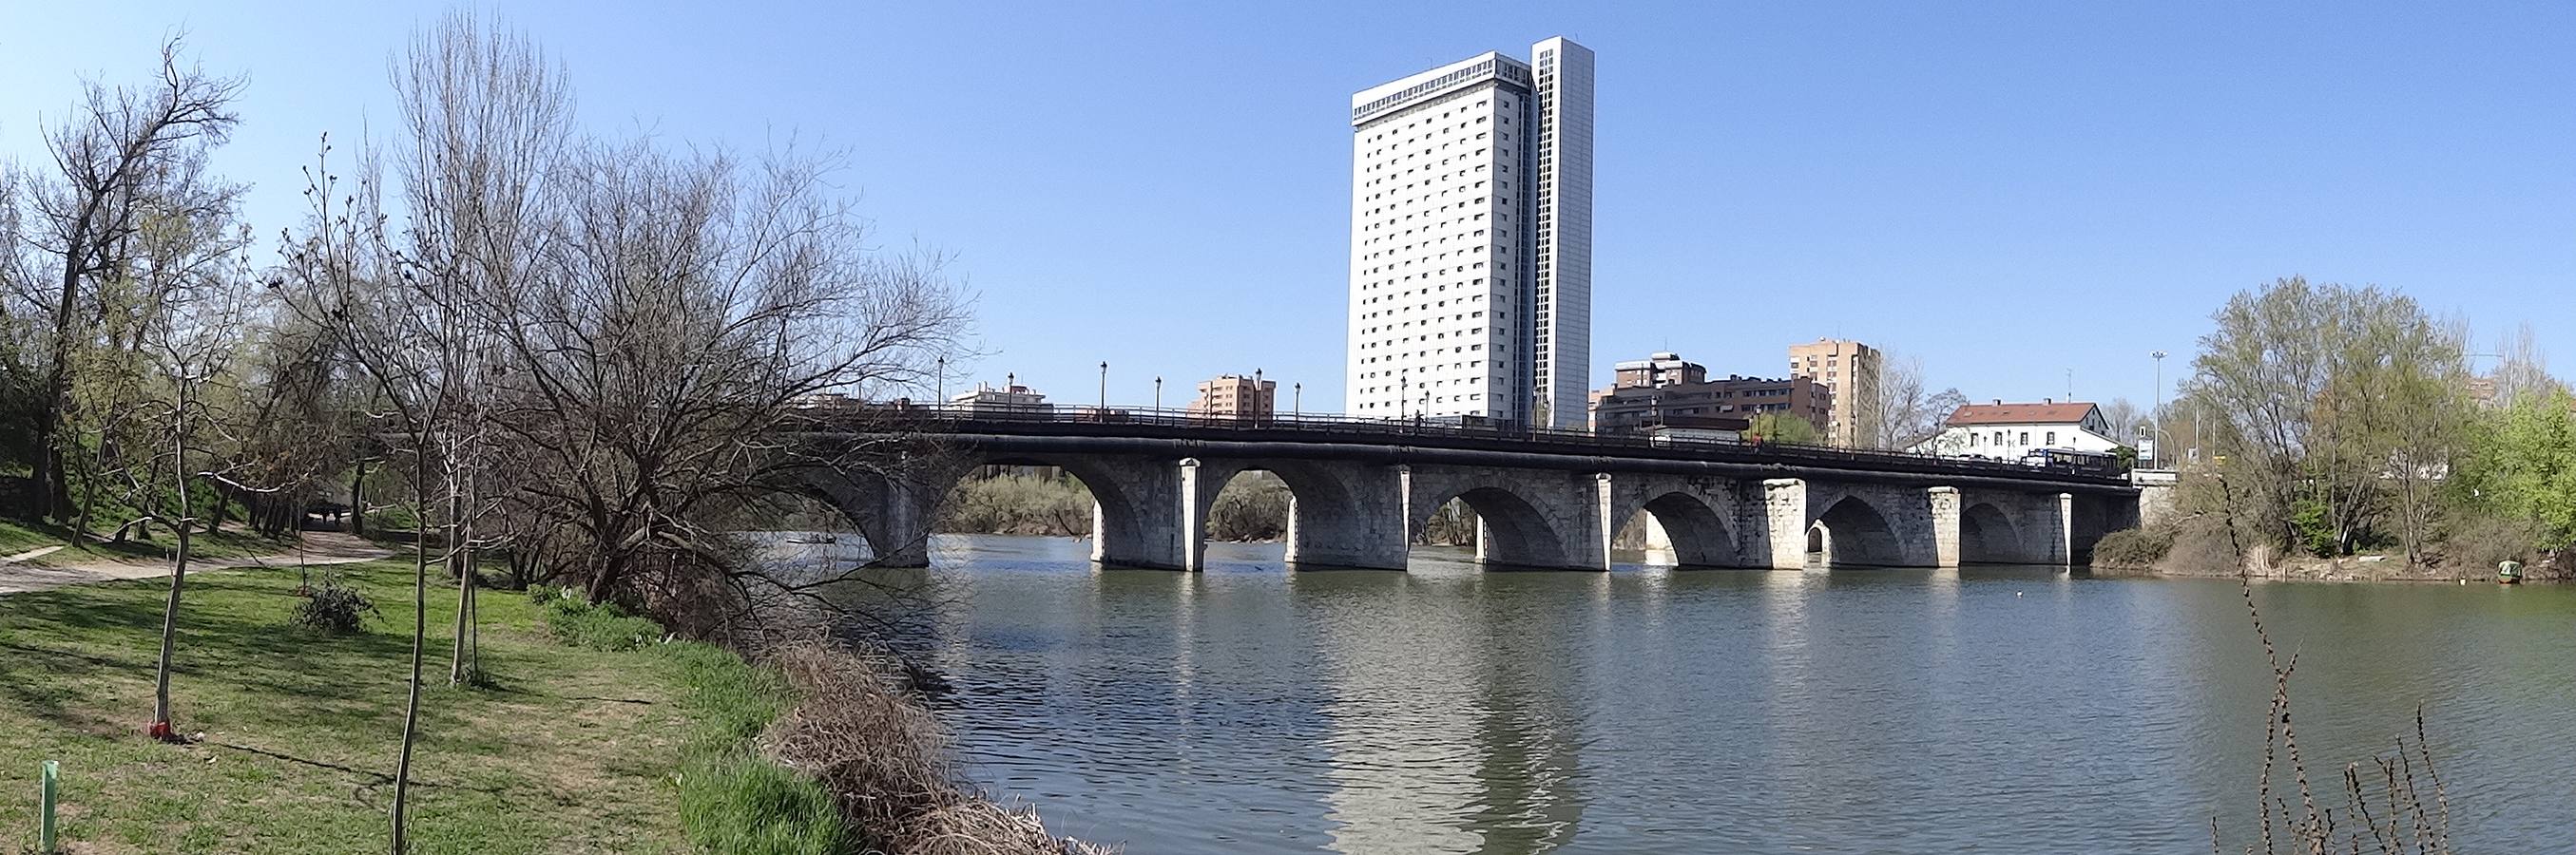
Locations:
column 1530, row 727
column 1451, row 726
column 1398, row 662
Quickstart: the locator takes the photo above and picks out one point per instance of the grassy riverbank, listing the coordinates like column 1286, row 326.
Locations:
column 572, row 749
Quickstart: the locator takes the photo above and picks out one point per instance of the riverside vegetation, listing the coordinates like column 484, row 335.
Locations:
column 522, row 343
column 2346, row 436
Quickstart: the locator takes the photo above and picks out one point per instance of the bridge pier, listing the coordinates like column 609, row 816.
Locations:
column 1784, row 516
column 893, row 512
column 1943, row 504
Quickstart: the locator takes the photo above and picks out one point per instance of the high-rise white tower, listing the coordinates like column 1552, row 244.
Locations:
column 1471, row 240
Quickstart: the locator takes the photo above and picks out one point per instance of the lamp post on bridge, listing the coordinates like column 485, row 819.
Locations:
column 943, row 380
column 1265, row 405
column 1158, row 393
column 1297, row 400
column 1104, row 390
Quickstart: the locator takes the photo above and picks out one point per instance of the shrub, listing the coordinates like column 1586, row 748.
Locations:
column 886, row 760
column 2133, row 547
column 1253, row 506
column 604, row 626
column 1015, row 503
column 2479, row 543
column 332, row 607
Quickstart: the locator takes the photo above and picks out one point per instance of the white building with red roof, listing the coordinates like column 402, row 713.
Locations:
column 2012, row 431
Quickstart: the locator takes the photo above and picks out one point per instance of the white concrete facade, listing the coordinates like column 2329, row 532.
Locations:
column 1471, row 240
column 2014, row 440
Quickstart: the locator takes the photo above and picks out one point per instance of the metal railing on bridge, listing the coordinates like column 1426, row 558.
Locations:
column 1327, row 426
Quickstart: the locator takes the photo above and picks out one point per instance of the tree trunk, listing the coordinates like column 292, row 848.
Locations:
column 463, row 568
column 358, row 499
column 419, row 640
column 55, row 490
column 161, row 727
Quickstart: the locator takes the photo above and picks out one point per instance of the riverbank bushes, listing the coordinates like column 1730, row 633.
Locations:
column 858, row 728
column 2344, row 424
column 1022, row 503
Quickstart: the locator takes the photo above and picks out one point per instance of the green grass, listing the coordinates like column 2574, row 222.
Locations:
column 569, row 750
column 17, row 535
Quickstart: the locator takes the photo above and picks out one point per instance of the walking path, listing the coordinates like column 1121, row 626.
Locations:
column 318, row 548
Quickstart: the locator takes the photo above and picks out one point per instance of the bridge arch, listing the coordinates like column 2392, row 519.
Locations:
column 1851, row 531
column 1339, row 514
column 1526, row 518
column 1987, row 536
column 1134, row 519
column 1697, row 530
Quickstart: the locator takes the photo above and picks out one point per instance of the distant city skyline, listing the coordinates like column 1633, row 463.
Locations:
column 2004, row 192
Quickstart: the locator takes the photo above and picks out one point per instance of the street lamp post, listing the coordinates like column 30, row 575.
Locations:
column 943, row 380
column 1262, row 403
column 1158, row 392
column 1403, row 392
column 1297, row 399
column 1104, row 389
column 2157, row 418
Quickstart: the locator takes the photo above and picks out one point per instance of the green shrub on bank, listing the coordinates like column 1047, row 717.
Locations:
column 732, row 799
column 575, row 621
column 733, row 802
column 2134, row 547
column 332, row 607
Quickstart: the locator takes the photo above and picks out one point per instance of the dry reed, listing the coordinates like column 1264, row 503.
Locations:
column 885, row 758
column 2404, row 779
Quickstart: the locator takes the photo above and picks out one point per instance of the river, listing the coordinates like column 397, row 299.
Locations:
column 1249, row 709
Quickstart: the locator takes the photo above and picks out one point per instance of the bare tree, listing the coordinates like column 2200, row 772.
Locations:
column 346, row 270
column 189, row 342
column 2126, row 420
column 2522, row 370
column 107, row 158
column 486, row 117
column 1907, row 413
column 690, row 308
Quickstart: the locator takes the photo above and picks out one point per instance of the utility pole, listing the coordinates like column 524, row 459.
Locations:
column 2156, row 420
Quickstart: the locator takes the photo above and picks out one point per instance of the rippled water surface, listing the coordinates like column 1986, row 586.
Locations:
column 1445, row 710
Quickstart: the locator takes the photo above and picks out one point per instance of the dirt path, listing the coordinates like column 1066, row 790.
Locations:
column 318, row 548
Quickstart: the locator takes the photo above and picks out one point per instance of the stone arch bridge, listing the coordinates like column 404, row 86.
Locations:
column 1363, row 491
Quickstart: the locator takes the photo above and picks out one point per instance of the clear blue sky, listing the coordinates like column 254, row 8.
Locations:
column 2007, row 191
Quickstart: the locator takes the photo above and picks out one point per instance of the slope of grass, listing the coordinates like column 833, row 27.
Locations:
column 17, row 535
column 570, row 749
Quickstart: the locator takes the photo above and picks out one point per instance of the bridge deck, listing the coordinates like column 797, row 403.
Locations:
column 1336, row 436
